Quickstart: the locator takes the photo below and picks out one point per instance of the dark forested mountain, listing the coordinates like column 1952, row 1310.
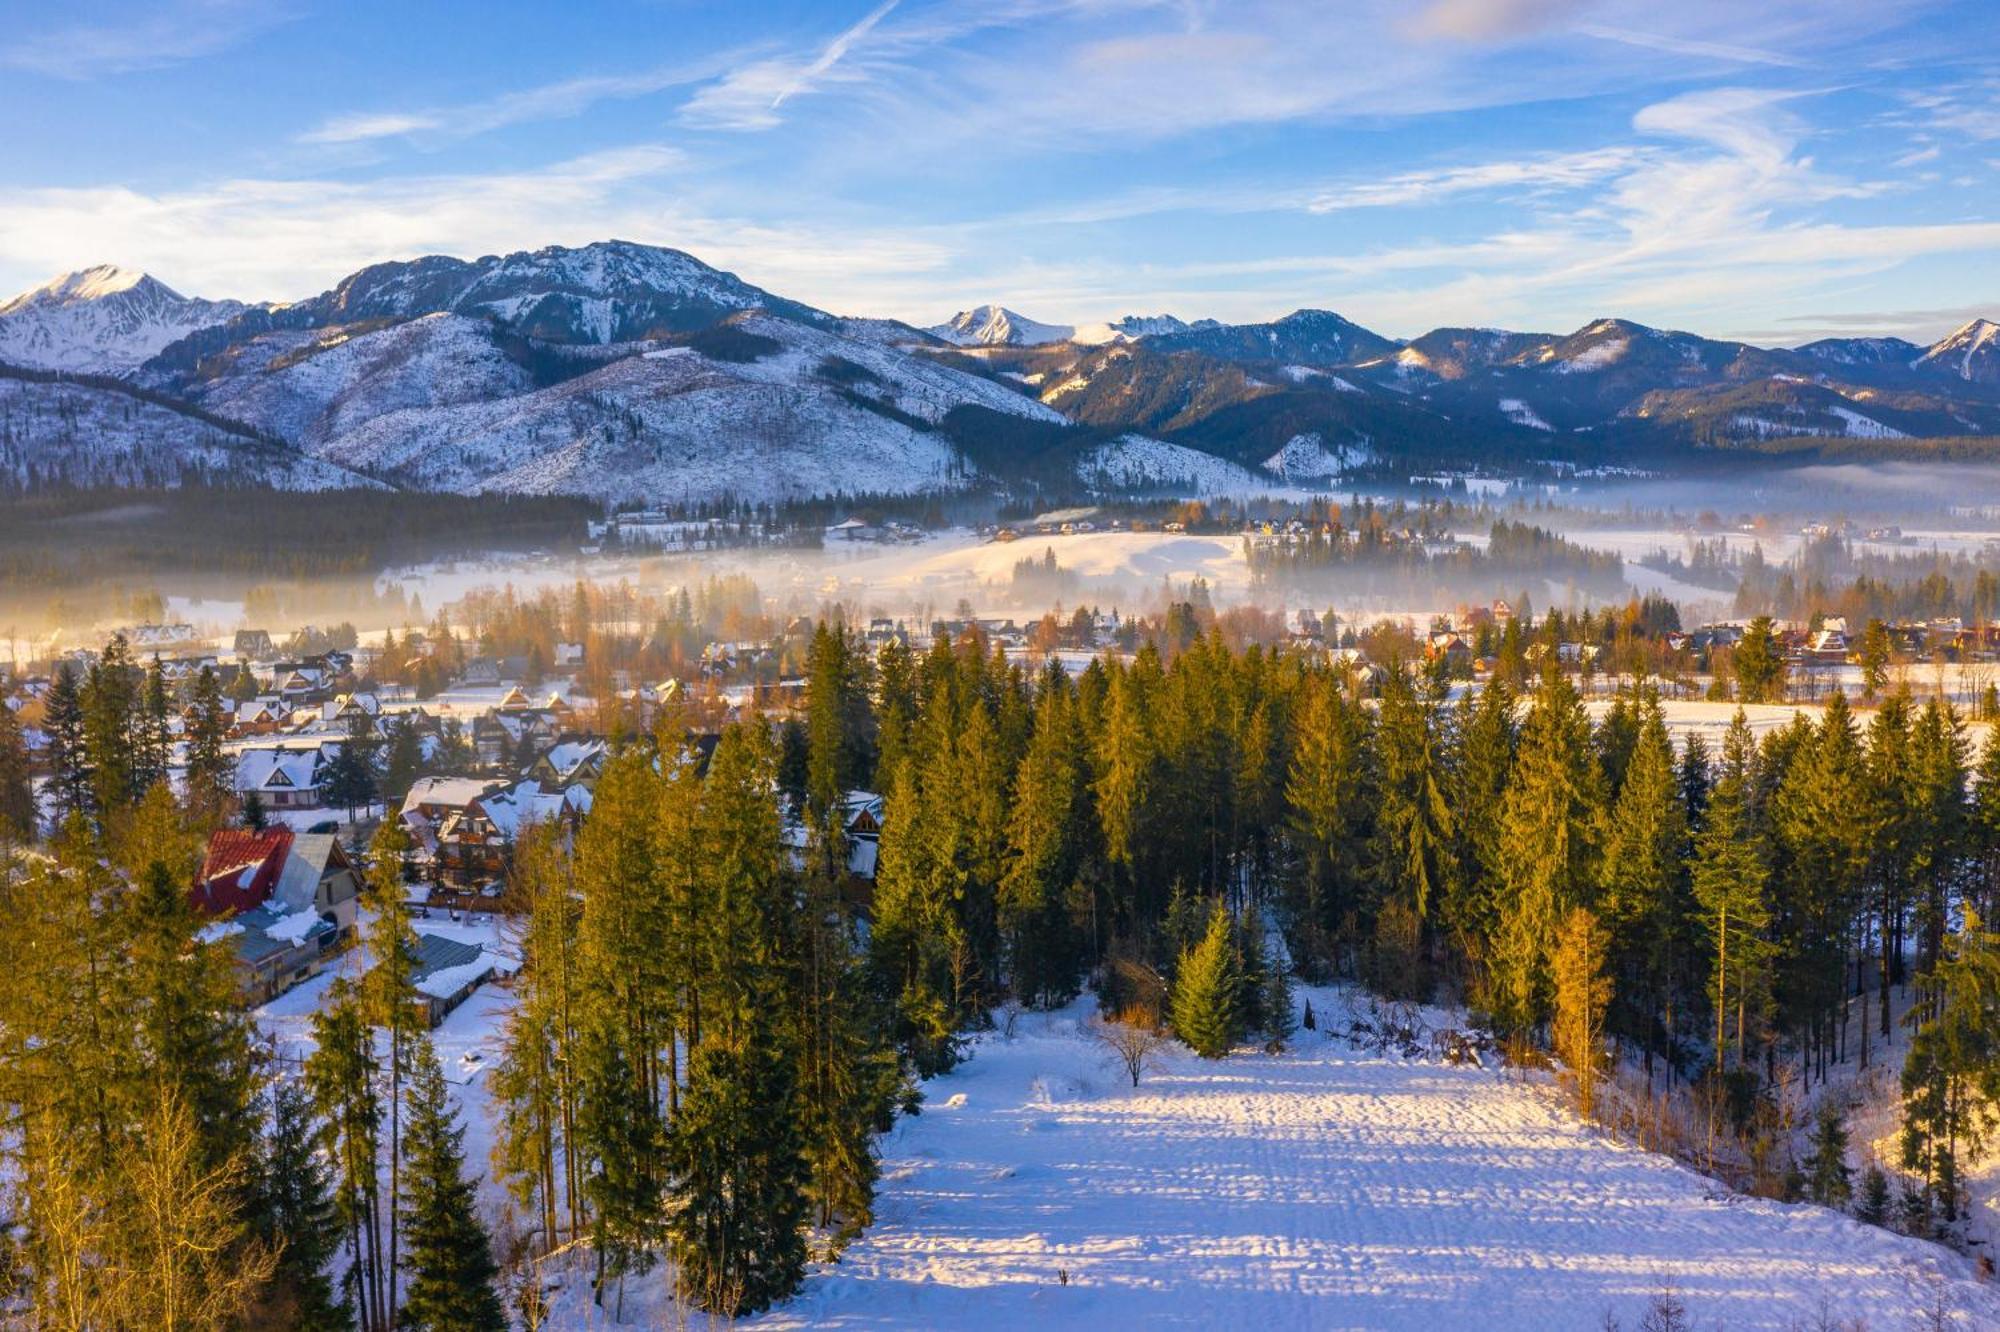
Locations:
column 639, row 373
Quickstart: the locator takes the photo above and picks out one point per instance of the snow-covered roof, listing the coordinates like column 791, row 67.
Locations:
column 277, row 768
column 453, row 791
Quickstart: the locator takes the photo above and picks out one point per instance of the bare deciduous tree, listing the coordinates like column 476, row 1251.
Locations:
column 1133, row 1036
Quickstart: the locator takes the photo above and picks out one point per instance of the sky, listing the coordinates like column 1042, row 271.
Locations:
column 1773, row 171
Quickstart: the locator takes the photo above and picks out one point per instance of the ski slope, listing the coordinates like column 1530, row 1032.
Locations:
column 1320, row 1188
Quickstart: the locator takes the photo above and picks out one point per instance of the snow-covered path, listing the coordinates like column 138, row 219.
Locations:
column 1320, row 1188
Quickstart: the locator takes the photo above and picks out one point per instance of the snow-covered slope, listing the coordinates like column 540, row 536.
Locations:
column 100, row 434
column 308, row 387
column 103, row 320
column 1306, row 457
column 1134, row 462
column 1136, row 326
column 997, row 326
column 809, row 413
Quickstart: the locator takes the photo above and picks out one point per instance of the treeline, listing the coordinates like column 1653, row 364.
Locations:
column 1373, row 557
column 1830, row 577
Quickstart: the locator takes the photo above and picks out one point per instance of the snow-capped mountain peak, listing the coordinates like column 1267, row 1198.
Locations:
column 104, row 320
column 89, row 284
column 1970, row 352
column 995, row 325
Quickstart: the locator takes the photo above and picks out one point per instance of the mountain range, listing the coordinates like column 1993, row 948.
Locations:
column 639, row 374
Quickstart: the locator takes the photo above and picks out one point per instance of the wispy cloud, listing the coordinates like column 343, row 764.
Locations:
column 750, row 97
column 548, row 101
column 1558, row 171
column 150, row 38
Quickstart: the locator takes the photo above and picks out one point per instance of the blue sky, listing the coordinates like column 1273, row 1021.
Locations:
column 1776, row 170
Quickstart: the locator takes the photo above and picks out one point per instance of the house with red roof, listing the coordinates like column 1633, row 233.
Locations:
column 286, row 901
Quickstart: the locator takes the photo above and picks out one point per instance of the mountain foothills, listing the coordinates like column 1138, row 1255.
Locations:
column 634, row 373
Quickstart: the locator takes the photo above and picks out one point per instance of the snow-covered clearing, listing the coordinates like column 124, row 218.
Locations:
column 1318, row 1188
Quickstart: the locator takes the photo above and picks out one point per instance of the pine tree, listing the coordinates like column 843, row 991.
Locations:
column 182, row 995
column 1873, row 1205
column 1206, row 1004
column 17, row 799
column 848, row 1075
column 1828, row 1179
column 405, row 759
column 211, row 772
column 534, row 1081
column 1414, row 827
column 1582, row 993
column 340, row 1074
column 1760, row 665
column 389, row 991
column 1276, row 1007
column 1644, row 899
column 70, row 782
column 1951, row 1076
column 152, row 738
column 618, row 1134
column 110, row 702
column 1044, row 951
column 1326, row 794
column 298, row 1219
column 734, row 1153
column 350, row 778
column 447, row 1251
column 1729, row 880
column 1550, row 826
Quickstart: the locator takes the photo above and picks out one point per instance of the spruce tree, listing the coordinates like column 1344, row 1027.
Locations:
column 1951, row 1076
column 1206, row 1004
column 340, row 1074
column 1549, row 823
column 1828, row 1179
column 211, row 772
column 70, row 784
column 619, row 1137
column 297, row 1216
column 388, row 989
column 1044, row 951
column 1582, row 993
column 1873, row 1204
column 1729, row 877
column 736, row 1160
column 446, row 1249
column 110, row 702
column 17, row 798
column 1644, row 898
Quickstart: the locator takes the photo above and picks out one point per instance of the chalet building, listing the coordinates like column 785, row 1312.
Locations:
column 573, row 760
column 860, row 822
column 285, row 776
column 474, row 843
column 285, row 901
column 254, row 645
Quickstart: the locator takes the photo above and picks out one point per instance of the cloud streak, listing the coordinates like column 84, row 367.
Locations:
column 165, row 35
